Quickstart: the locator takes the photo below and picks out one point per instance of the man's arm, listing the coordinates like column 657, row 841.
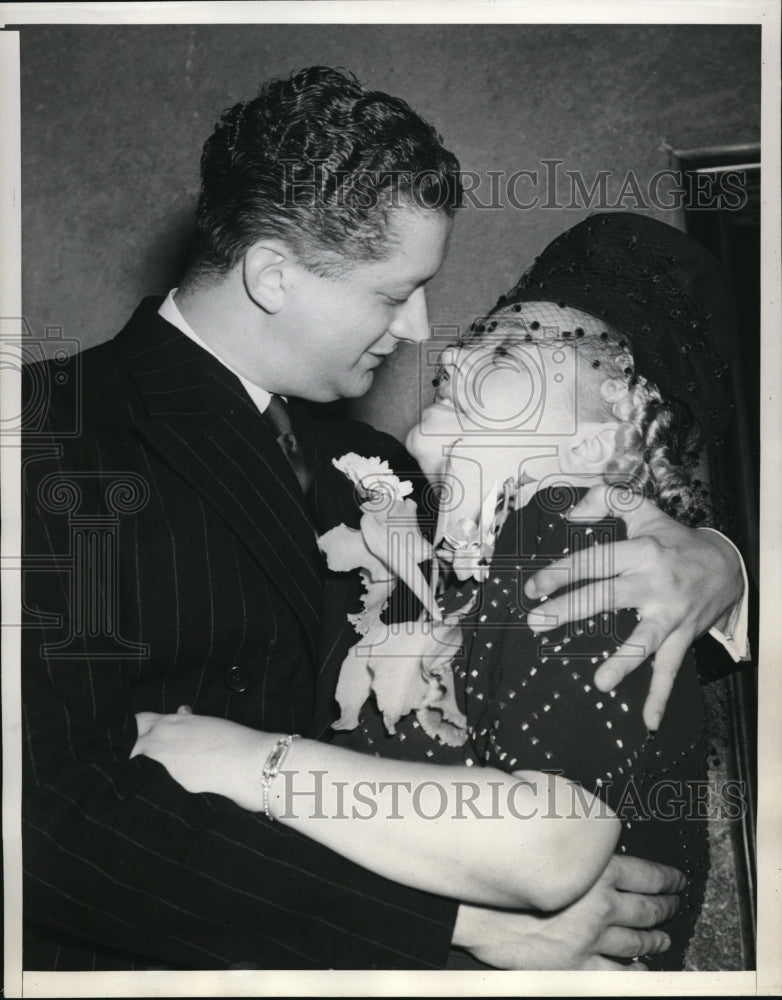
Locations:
column 731, row 631
column 117, row 856
column 122, row 862
column 682, row 581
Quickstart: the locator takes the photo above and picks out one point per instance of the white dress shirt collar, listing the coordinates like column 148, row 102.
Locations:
column 170, row 312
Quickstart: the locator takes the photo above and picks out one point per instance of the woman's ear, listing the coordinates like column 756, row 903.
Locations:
column 264, row 274
column 616, row 394
column 612, row 390
column 591, row 449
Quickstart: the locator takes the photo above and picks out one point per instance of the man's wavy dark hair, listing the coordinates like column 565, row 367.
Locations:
column 317, row 161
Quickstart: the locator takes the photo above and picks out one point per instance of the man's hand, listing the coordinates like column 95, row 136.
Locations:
column 612, row 919
column 680, row 580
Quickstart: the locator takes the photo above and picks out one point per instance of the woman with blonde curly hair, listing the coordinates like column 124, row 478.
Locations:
column 604, row 364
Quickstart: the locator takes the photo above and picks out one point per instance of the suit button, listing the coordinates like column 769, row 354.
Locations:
column 237, row 679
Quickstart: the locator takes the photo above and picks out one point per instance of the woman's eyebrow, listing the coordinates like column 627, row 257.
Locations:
column 449, row 364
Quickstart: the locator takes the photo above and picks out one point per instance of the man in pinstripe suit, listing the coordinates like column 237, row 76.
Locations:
column 171, row 556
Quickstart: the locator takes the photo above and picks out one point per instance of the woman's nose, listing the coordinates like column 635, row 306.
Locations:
column 411, row 322
column 444, row 375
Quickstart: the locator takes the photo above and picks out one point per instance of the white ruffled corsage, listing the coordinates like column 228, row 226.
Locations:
column 407, row 665
column 373, row 479
column 468, row 547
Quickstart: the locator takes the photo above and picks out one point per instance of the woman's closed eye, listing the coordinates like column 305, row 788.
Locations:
column 449, row 358
column 446, row 366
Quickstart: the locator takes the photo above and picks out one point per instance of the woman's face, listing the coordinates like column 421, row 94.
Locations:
column 500, row 393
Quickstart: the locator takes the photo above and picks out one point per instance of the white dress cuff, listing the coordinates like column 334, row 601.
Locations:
column 735, row 638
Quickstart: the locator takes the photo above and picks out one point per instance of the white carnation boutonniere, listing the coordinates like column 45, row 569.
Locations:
column 407, row 666
column 388, row 545
column 373, row 479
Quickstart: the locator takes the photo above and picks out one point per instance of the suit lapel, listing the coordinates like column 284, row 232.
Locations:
column 333, row 499
column 200, row 419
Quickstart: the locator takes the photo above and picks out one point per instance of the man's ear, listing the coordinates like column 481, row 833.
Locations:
column 264, row 273
column 591, row 449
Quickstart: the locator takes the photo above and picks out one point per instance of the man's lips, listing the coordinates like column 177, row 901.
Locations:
column 380, row 356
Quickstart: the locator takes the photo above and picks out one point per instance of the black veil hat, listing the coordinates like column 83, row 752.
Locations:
column 661, row 289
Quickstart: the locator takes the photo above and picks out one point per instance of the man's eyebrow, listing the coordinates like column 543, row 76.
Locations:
column 415, row 281
column 407, row 283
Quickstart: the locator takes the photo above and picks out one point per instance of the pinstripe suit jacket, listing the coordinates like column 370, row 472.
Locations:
column 170, row 558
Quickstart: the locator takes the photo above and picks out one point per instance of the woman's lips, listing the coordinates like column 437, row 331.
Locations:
column 442, row 409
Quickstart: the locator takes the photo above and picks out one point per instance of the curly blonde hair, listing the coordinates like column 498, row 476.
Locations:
column 657, row 452
column 658, row 442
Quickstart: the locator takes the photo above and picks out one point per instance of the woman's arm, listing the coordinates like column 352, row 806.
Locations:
column 528, row 840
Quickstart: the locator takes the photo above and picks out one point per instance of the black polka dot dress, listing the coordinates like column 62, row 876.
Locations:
column 531, row 704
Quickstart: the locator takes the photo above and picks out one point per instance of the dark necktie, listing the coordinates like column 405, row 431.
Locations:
column 278, row 417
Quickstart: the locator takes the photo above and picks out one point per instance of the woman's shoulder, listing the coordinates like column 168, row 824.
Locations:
column 542, row 528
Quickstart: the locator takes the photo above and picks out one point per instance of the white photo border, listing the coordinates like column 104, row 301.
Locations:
column 767, row 980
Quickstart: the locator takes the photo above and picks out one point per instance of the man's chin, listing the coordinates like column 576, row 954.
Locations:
column 352, row 388
column 358, row 386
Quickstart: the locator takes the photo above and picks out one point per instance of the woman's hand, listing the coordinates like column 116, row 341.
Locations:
column 206, row 754
column 681, row 581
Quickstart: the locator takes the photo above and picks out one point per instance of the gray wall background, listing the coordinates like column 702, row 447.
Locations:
column 113, row 119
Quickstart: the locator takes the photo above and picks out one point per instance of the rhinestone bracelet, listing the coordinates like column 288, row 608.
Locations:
column 272, row 767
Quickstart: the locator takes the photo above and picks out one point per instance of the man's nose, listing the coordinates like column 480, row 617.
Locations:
column 412, row 319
